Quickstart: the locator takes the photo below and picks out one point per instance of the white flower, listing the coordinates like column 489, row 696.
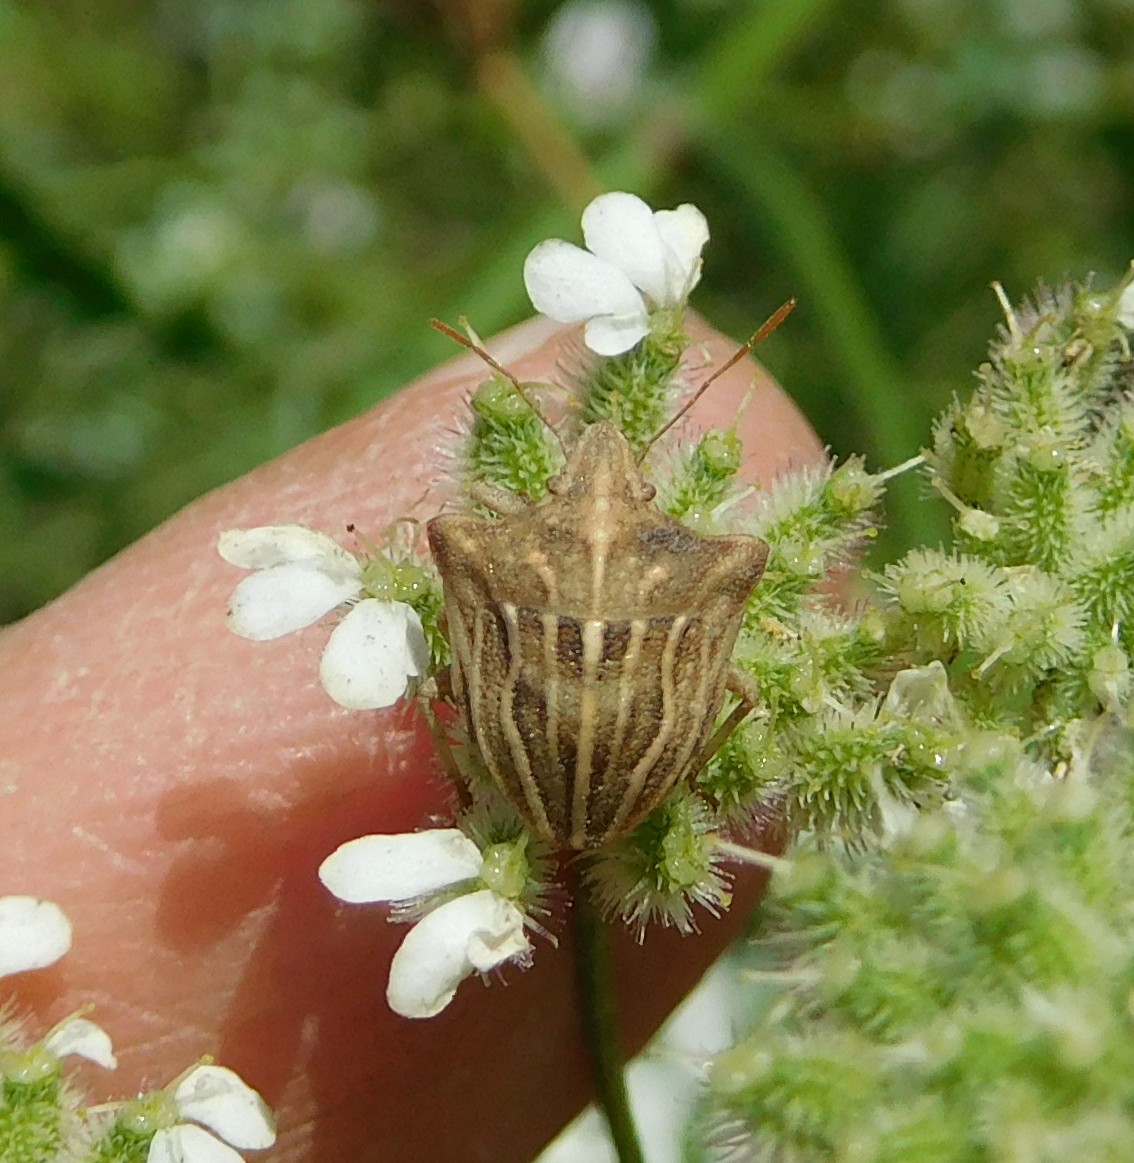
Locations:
column 471, row 933
column 301, row 575
column 636, row 258
column 33, row 934
column 74, row 1036
column 83, row 1038
column 222, row 1101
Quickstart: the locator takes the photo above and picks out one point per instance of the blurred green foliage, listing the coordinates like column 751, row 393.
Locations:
column 224, row 225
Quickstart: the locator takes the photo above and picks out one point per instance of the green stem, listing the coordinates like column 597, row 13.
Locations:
column 600, row 1025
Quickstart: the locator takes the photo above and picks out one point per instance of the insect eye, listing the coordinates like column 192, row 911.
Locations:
column 648, row 492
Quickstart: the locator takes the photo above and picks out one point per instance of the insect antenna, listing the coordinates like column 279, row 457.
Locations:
column 767, row 327
column 500, row 369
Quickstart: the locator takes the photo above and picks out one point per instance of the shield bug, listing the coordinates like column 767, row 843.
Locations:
column 591, row 637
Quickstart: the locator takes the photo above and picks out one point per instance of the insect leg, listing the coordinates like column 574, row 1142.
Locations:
column 745, row 688
column 439, row 688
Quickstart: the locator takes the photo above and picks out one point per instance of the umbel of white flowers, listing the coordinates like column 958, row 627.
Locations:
column 33, row 935
column 218, row 1099
column 299, row 576
column 466, row 928
column 636, row 259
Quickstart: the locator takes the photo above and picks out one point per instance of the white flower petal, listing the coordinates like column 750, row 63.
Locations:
column 269, row 545
column 400, row 867
column 273, row 602
column 568, row 284
column 84, row 1038
column 472, row 933
column 372, row 653
column 620, row 228
column 221, row 1100
column 614, row 334
column 685, row 232
column 189, row 1144
column 33, row 934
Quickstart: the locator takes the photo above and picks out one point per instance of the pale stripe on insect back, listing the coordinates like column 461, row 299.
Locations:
column 646, row 764
column 707, row 676
column 626, row 676
column 588, row 716
column 598, row 538
column 464, row 665
column 550, row 626
column 474, row 680
column 693, row 740
column 520, row 757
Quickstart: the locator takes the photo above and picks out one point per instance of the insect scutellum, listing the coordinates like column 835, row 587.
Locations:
column 590, row 631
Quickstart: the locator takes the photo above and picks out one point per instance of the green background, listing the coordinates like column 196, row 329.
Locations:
column 224, row 224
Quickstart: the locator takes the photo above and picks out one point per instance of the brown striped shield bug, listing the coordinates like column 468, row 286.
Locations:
column 591, row 637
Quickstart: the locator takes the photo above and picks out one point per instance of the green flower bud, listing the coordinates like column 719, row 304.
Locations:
column 497, row 400
column 924, row 593
column 800, row 559
column 1109, row 677
column 806, row 683
column 1045, row 450
column 978, row 524
column 721, row 451
column 988, row 431
column 505, row 869
column 26, row 1067
column 853, row 489
column 379, row 579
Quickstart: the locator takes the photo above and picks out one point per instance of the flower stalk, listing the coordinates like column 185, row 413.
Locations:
column 594, row 973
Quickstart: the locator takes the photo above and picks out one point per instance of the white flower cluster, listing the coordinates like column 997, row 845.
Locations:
column 636, row 259
column 36, row 933
column 33, row 935
column 473, row 932
column 299, row 576
column 218, row 1099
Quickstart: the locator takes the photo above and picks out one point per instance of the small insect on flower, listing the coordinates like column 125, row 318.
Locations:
column 591, row 638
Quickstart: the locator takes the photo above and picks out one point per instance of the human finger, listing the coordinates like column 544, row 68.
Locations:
column 175, row 789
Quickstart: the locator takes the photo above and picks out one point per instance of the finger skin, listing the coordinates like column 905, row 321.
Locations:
column 175, row 788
